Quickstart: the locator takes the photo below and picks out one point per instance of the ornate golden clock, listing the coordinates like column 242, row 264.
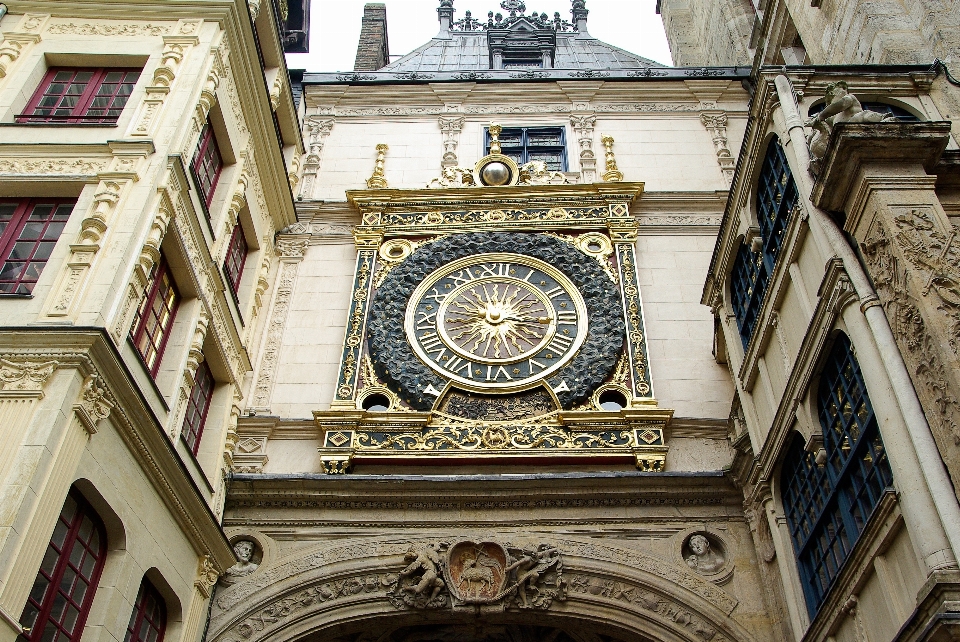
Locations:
column 498, row 321
column 493, row 314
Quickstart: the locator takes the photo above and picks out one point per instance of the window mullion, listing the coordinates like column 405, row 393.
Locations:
column 12, row 233
column 89, row 93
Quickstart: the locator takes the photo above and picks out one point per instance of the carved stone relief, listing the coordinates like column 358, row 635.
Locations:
column 716, row 124
column 290, row 251
column 914, row 266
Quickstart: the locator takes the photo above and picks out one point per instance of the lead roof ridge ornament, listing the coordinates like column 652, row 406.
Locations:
column 516, row 12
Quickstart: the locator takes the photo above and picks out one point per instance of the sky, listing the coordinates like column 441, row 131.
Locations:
column 633, row 25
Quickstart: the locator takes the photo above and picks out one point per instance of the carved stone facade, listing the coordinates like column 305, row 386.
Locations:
column 86, row 410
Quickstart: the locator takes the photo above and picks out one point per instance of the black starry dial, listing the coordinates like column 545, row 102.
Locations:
column 496, row 321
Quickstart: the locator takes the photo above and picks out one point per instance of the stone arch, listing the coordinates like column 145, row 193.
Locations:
column 326, row 586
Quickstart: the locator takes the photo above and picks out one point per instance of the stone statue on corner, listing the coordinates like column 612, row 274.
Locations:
column 841, row 107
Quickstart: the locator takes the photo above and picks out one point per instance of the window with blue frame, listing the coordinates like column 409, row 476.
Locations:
column 525, row 144
column 828, row 507
column 776, row 199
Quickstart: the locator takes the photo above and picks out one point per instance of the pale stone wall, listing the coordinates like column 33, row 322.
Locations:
column 680, row 330
column 77, row 403
column 712, row 33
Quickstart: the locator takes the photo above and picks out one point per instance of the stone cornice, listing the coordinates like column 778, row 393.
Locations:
column 91, row 351
column 400, row 492
column 537, row 75
column 494, row 197
column 854, row 145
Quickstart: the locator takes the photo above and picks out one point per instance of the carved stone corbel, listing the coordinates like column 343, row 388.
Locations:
column 208, row 95
column 583, row 125
column 451, row 126
column 121, row 173
column 94, row 404
column 15, row 43
column 316, row 130
column 149, row 256
column 207, row 576
column 175, row 49
column 716, row 124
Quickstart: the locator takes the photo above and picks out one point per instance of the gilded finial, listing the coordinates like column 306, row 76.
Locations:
column 377, row 181
column 495, row 138
column 612, row 175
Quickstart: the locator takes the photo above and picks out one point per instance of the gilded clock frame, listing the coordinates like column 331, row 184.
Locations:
column 403, row 219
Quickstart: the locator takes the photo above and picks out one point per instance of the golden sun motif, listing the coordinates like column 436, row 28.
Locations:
column 497, row 320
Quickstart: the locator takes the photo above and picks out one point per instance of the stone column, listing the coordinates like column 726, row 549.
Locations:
column 716, row 124
column 790, row 577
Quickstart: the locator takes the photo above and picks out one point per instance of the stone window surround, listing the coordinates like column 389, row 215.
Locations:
column 79, row 112
column 65, row 561
column 11, row 235
column 819, row 451
column 198, row 406
column 207, row 165
column 165, row 328
column 148, row 596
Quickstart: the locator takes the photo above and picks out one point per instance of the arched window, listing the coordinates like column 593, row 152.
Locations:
column 149, row 618
column 748, row 284
column 60, row 600
column 776, row 198
column 827, row 507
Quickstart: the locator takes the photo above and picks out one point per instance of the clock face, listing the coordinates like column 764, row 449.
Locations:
column 496, row 322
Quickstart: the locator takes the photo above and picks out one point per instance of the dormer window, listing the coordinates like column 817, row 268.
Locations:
column 522, row 63
column 521, row 41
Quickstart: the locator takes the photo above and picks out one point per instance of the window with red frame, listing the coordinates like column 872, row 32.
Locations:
column 207, row 164
column 28, row 231
column 154, row 319
column 60, row 600
column 197, row 407
column 236, row 257
column 80, row 95
column 149, row 618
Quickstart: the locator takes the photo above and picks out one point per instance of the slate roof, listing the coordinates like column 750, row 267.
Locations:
column 467, row 50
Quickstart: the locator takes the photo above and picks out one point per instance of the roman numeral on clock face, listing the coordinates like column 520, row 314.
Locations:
column 456, row 365
column 432, row 344
column 566, row 317
column 560, row 343
column 553, row 293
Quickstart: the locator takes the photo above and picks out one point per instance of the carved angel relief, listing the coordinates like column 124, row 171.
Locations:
column 470, row 573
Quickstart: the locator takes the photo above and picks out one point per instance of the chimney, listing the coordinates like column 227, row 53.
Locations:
column 373, row 51
column 580, row 12
column 445, row 13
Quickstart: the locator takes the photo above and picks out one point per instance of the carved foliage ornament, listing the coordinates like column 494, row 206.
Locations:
column 398, row 365
column 25, row 375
